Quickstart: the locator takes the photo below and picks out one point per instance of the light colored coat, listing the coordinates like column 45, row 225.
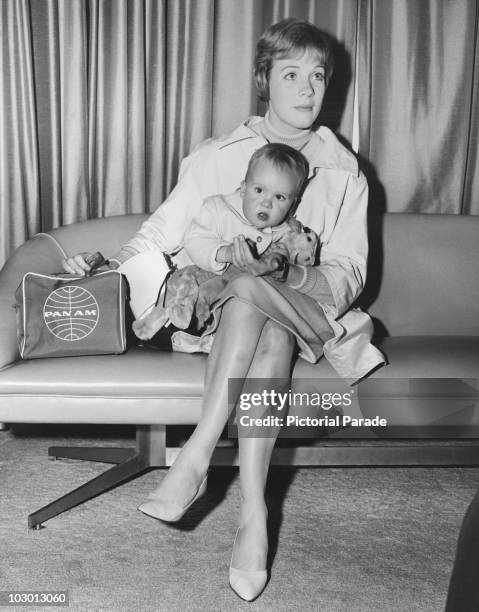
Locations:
column 219, row 220
column 334, row 205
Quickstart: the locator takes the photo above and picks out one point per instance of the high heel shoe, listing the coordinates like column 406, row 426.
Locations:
column 247, row 584
column 168, row 511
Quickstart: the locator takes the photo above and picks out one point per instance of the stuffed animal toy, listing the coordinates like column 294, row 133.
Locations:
column 191, row 291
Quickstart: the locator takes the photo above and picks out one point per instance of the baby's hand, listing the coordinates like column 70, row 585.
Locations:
column 224, row 254
column 244, row 260
column 253, row 247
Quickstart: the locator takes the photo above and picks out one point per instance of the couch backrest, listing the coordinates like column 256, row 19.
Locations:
column 423, row 276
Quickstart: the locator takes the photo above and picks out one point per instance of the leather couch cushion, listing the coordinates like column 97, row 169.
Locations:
column 428, row 390
column 137, row 373
column 147, row 386
column 422, row 357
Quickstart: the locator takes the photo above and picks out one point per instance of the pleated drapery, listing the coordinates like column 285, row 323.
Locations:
column 101, row 99
column 418, row 92
column 19, row 180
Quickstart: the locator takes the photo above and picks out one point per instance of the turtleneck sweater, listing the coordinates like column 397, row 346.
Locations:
column 313, row 281
column 297, row 141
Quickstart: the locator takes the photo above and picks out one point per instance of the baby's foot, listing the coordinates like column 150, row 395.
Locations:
column 147, row 327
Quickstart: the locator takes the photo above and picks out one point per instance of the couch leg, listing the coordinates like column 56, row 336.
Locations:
column 103, row 454
column 150, row 453
column 109, row 479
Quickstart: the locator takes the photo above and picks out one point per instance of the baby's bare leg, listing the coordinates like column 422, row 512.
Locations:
column 147, row 327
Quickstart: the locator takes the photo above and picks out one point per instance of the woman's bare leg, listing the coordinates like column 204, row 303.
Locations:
column 234, row 348
column 273, row 359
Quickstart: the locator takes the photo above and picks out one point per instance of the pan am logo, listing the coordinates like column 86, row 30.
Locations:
column 71, row 313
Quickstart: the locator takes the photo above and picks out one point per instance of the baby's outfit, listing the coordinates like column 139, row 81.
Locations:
column 220, row 219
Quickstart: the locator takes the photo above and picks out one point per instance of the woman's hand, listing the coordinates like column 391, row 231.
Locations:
column 77, row 264
column 245, row 261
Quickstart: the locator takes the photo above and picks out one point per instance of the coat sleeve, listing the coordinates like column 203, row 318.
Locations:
column 165, row 228
column 203, row 238
column 344, row 257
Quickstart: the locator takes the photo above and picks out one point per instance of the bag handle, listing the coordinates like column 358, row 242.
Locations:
column 95, row 260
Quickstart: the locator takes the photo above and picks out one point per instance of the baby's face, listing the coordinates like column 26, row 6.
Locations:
column 268, row 194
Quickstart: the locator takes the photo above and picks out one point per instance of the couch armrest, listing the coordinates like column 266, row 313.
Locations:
column 40, row 254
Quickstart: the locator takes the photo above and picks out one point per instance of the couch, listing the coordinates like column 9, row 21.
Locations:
column 422, row 292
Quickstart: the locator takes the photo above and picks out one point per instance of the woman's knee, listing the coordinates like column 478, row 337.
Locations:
column 276, row 338
column 245, row 286
column 239, row 312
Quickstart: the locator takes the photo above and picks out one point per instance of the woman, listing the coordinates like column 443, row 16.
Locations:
column 260, row 321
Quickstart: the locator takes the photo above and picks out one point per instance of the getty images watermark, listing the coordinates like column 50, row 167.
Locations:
column 281, row 402
column 376, row 407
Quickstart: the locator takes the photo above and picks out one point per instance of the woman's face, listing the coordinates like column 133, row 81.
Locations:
column 296, row 91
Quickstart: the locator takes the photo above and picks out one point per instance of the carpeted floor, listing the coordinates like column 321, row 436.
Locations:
column 372, row 539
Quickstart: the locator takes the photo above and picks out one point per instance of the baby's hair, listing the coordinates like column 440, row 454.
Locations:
column 284, row 157
column 288, row 38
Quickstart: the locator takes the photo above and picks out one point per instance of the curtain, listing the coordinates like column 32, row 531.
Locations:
column 418, row 98
column 19, row 181
column 101, row 99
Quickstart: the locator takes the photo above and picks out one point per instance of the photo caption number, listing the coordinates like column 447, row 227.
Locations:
column 34, row 598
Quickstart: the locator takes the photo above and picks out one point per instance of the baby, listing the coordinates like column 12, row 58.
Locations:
column 261, row 211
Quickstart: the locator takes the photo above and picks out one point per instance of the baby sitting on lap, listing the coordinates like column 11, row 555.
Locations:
column 260, row 211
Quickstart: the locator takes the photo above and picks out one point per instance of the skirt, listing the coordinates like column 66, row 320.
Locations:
column 345, row 342
column 295, row 311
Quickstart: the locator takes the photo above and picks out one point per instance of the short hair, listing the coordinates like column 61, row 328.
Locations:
column 287, row 38
column 284, row 157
